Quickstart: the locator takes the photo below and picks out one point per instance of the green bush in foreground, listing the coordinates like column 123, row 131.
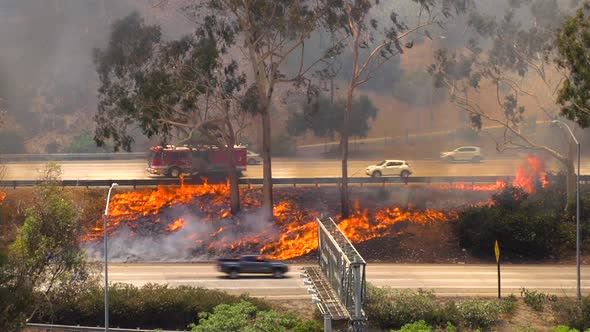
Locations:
column 419, row 326
column 536, row 300
column 564, row 328
column 246, row 317
column 479, row 313
column 394, row 309
column 151, row 306
column 568, row 312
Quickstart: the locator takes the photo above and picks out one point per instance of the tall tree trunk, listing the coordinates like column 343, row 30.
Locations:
column 265, row 85
column 344, row 193
column 267, row 203
column 234, row 190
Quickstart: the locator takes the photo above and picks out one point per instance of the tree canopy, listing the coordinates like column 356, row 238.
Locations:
column 45, row 257
column 324, row 118
column 573, row 49
column 163, row 87
column 245, row 317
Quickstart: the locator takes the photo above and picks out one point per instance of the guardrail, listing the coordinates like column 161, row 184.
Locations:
column 468, row 180
column 72, row 328
column 73, row 156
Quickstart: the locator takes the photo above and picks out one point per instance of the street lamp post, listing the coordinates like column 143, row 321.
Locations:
column 578, row 263
column 106, row 261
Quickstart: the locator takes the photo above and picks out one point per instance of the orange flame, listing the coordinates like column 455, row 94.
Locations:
column 528, row 176
column 2, row 196
column 531, row 174
column 361, row 226
column 178, row 223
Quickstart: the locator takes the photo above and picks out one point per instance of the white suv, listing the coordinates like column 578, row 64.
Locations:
column 253, row 158
column 464, row 153
column 390, row 167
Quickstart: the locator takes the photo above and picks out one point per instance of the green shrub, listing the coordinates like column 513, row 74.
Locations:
column 151, row 306
column 450, row 327
column 389, row 308
column 246, row 317
column 508, row 305
column 479, row 314
column 536, row 300
column 419, row 326
column 520, row 222
column 568, row 312
column 564, row 328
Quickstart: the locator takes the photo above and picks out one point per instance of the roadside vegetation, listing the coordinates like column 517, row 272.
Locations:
column 527, row 226
column 171, row 308
column 407, row 310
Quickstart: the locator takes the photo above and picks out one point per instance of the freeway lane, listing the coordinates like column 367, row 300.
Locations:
column 282, row 168
column 444, row 280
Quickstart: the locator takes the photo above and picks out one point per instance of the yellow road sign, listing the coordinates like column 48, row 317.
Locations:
column 497, row 251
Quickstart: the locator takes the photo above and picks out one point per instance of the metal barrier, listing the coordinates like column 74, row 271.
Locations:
column 74, row 156
column 469, row 180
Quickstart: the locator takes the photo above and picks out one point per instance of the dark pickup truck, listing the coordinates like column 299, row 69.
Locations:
column 251, row 264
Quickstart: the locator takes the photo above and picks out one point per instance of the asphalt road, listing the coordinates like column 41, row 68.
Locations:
column 444, row 280
column 282, row 168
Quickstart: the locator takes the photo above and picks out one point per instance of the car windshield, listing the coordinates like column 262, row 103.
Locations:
column 381, row 163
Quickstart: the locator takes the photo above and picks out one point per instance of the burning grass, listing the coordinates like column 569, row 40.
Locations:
column 193, row 223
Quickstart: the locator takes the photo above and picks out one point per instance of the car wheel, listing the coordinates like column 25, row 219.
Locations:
column 233, row 274
column 174, row 172
column 450, row 159
column 404, row 174
column 376, row 174
column 252, row 161
column 476, row 159
column 277, row 273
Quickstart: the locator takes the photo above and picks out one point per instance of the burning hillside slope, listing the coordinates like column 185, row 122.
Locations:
column 192, row 223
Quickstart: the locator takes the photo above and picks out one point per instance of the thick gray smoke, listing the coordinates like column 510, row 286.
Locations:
column 190, row 243
column 47, row 77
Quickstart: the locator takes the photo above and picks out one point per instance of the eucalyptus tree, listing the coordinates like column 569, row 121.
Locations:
column 181, row 88
column 573, row 51
column 268, row 33
column 508, row 57
column 374, row 39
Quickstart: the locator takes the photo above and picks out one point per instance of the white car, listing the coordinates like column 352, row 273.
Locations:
column 253, row 158
column 390, row 168
column 464, row 153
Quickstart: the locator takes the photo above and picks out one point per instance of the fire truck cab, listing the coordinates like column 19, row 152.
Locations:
column 174, row 161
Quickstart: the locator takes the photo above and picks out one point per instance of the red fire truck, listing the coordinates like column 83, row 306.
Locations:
column 173, row 161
